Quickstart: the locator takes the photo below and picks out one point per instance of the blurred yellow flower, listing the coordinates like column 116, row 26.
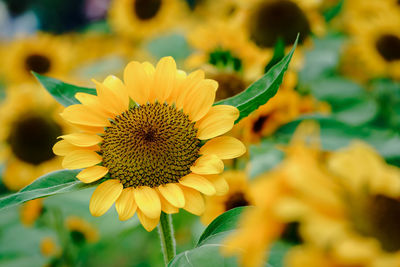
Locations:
column 81, row 231
column 238, row 195
column 48, row 247
column 30, row 211
column 42, row 53
column 345, row 202
column 358, row 16
column 267, row 21
column 225, row 47
column 362, row 229
column 374, row 53
column 138, row 19
column 30, row 125
column 145, row 134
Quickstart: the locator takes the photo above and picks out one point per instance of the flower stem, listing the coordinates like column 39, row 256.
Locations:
column 166, row 231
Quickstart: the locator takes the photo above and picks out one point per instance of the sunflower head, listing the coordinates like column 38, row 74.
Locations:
column 271, row 20
column 155, row 139
column 30, row 127
column 43, row 53
column 136, row 19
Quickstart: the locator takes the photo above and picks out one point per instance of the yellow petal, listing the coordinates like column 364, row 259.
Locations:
column 220, row 184
column 219, row 120
column 82, row 139
column 208, row 164
column 81, row 159
column 125, row 204
column 148, row 223
column 91, row 129
column 62, row 148
column 82, row 115
column 93, row 103
column 212, row 83
column 120, row 90
column 199, row 183
column 192, row 80
column 91, row 174
column 224, row 147
column 148, row 201
column 104, row 196
column 199, row 100
column 168, row 207
column 194, row 202
column 172, row 193
column 177, row 90
column 111, row 99
column 164, row 78
column 138, row 82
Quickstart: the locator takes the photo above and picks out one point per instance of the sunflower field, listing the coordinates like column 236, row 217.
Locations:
column 200, row 133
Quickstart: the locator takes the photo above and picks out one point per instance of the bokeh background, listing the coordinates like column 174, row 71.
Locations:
column 345, row 75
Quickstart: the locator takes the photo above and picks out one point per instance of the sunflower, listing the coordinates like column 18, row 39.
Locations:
column 223, row 48
column 262, row 225
column 374, row 53
column 81, row 231
column 265, row 22
column 361, row 229
column 43, row 53
column 30, row 127
column 138, row 19
column 148, row 136
column 238, row 195
column 30, row 211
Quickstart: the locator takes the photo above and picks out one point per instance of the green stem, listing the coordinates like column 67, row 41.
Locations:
column 166, row 231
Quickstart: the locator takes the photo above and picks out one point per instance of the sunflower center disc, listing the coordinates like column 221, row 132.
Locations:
column 37, row 63
column 228, row 85
column 32, row 138
column 150, row 145
column 237, row 199
column 147, row 9
column 388, row 47
column 379, row 219
column 272, row 20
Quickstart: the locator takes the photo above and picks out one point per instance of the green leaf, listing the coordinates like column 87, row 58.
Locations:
column 207, row 251
column 53, row 183
column 64, row 93
column 279, row 53
column 262, row 90
column 333, row 11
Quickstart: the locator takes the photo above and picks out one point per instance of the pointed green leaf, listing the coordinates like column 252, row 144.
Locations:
column 64, row 93
column 262, row 90
column 53, row 183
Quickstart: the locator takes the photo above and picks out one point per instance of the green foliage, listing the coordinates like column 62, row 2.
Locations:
column 332, row 12
column 209, row 245
column 64, row 93
column 225, row 60
column 53, row 183
column 262, row 90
